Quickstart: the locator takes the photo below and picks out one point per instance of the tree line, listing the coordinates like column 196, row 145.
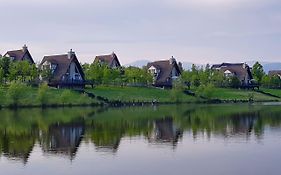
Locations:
column 102, row 74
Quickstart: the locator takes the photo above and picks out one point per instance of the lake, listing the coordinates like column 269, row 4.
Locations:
column 173, row 139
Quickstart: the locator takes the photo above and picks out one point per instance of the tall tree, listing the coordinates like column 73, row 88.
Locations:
column 258, row 72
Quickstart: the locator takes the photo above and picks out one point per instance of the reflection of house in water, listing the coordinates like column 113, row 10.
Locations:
column 243, row 125
column 166, row 132
column 17, row 147
column 63, row 139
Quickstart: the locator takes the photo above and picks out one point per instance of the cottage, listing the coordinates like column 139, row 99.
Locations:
column 20, row 55
column 275, row 73
column 241, row 70
column 164, row 72
column 110, row 60
column 65, row 71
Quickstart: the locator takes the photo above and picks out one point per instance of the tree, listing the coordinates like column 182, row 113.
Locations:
column 258, row 72
column 5, row 66
column 234, row 82
column 16, row 92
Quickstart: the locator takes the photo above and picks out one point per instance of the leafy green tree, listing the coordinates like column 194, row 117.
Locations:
column 258, row 72
column 266, row 81
column 275, row 82
column 1, row 76
column 177, row 90
column 234, row 82
column 5, row 66
column 16, row 92
column 205, row 91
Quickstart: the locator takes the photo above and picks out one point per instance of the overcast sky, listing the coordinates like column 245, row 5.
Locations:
column 198, row 31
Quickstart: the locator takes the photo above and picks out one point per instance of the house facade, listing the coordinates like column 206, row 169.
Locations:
column 110, row 60
column 275, row 73
column 62, row 71
column 164, row 72
column 20, row 55
column 240, row 70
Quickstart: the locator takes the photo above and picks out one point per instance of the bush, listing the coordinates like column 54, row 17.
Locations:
column 177, row 91
column 42, row 95
column 16, row 92
column 205, row 91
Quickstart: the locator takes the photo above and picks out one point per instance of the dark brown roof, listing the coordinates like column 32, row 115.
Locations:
column 108, row 59
column 238, row 69
column 63, row 64
column 274, row 72
column 165, row 70
column 19, row 55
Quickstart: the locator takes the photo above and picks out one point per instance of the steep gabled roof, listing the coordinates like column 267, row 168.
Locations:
column 63, row 64
column 107, row 59
column 238, row 69
column 165, row 68
column 19, row 55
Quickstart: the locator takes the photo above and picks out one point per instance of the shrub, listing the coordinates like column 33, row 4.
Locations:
column 16, row 92
column 205, row 91
column 177, row 91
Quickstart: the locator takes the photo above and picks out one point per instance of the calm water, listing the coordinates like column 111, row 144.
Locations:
column 188, row 139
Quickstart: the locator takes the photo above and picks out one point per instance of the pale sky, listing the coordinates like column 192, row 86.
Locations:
column 199, row 31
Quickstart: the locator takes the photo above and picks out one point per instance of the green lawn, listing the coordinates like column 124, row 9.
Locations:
column 276, row 92
column 141, row 94
column 237, row 94
column 54, row 97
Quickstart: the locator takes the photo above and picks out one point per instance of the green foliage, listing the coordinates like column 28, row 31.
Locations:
column 205, row 91
column 258, row 72
column 42, row 94
column 5, row 65
column 138, row 75
column 16, row 92
column 177, row 91
column 234, row 82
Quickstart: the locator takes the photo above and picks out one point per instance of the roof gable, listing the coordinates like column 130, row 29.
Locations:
column 165, row 68
column 107, row 59
column 63, row 64
column 19, row 55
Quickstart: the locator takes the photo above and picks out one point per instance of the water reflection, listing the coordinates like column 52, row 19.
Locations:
column 60, row 131
column 63, row 139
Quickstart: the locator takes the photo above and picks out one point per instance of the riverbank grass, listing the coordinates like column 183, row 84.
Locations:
column 28, row 97
column 141, row 94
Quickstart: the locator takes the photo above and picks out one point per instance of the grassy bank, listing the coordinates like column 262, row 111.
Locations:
column 141, row 94
column 241, row 94
column 31, row 97
column 129, row 94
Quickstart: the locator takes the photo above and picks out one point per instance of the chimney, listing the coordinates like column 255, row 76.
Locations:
column 70, row 54
column 24, row 48
column 172, row 60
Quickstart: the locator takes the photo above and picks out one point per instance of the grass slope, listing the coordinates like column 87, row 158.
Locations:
column 141, row 94
column 54, row 97
column 240, row 94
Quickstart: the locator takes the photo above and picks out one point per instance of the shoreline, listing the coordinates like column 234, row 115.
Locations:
column 118, row 104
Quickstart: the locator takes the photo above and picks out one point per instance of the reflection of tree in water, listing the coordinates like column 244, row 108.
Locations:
column 63, row 138
column 61, row 131
column 165, row 132
column 17, row 147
